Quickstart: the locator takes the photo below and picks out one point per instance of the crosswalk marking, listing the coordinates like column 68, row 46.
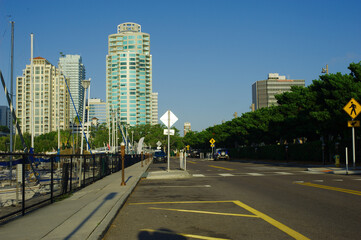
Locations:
column 284, row 173
column 226, row 174
column 198, row 175
column 255, row 174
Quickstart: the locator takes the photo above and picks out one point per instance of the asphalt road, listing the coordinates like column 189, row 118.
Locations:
column 242, row 200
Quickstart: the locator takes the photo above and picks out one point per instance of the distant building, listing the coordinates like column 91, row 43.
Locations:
column 129, row 75
column 264, row 91
column 187, row 128
column 5, row 116
column 74, row 70
column 98, row 110
column 154, row 108
column 51, row 98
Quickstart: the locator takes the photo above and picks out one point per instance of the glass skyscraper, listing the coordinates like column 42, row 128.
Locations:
column 129, row 75
column 74, row 70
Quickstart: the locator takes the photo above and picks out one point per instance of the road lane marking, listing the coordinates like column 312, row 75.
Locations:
column 198, row 175
column 192, row 186
column 206, row 212
column 192, row 162
column 311, row 172
column 255, row 174
column 256, row 213
column 284, row 173
column 317, row 180
column 191, row 202
column 184, row 235
column 331, row 188
column 338, row 180
column 226, row 174
column 272, row 221
column 229, row 169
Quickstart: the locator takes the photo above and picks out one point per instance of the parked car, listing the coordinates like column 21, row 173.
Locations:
column 159, row 156
column 221, row 153
column 195, row 154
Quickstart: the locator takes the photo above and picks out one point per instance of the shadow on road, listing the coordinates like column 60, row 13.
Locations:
column 160, row 234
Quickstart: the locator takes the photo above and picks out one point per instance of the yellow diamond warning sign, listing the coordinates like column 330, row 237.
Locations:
column 352, row 108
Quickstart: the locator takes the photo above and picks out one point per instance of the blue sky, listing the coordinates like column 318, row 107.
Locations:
column 206, row 53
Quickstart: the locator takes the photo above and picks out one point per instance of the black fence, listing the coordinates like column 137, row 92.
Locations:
column 28, row 181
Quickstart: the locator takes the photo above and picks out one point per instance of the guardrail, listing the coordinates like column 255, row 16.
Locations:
column 28, row 181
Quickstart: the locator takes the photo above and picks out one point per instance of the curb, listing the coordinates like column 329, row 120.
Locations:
column 102, row 228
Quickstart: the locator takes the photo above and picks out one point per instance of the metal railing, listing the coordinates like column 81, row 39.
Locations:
column 28, row 181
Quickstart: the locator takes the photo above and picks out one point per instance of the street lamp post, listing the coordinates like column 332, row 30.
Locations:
column 85, row 84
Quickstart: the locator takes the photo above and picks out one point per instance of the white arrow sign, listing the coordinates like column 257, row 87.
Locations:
column 159, row 144
column 169, row 115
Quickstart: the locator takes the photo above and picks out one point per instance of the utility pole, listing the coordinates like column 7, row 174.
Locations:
column 32, row 91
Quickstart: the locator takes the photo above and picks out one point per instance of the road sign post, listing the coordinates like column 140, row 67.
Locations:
column 212, row 141
column 353, row 109
column 168, row 119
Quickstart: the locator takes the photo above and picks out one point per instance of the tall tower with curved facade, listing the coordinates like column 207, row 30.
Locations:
column 129, row 76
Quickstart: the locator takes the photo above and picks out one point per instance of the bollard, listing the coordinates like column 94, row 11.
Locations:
column 337, row 160
column 122, row 149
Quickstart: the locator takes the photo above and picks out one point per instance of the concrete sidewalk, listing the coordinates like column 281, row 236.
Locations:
column 85, row 215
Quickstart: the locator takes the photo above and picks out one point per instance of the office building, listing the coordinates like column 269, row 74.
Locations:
column 97, row 109
column 51, row 98
column 187, row 128
column 74, row 70
column 5, row 116
column 129, row 75
column 154, row 108
column 264, row 91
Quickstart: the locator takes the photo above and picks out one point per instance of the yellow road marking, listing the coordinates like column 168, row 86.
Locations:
column 256, row 213
column 144, row 203
column 272, row 221
column 332, row 188
column 191, row 162
column 206, row 212
column 184, row 235
column 230, row 169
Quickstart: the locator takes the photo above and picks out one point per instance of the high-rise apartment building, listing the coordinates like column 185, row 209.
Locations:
column 97, row 109
column 74, row 70
column 264, row 91
column 187, row 128
column 154, row 108
column 129, row 75
column 51, row 98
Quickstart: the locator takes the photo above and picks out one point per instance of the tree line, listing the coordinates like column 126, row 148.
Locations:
column 304, row 114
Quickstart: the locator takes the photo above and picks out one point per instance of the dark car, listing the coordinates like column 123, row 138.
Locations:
column 221, row 153
column 159, row 156
column 195, row 154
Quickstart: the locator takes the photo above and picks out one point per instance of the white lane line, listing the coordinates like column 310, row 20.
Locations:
column 358, row 179
column 298, row 181
column 311, row 172
column 255, row 174
column 317, row 180
column 338, row 180
column 198, row 175
column 284, row 173
column 226, row 174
